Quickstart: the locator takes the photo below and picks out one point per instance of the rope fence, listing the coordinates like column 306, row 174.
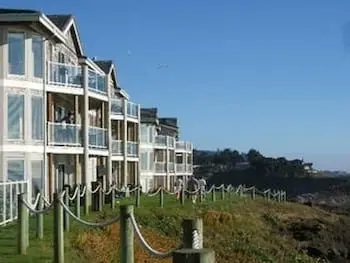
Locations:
column 96, row 197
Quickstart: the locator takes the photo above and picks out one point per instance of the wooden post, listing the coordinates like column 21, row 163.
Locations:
column 182, row 195
column 241, row 191
column 253, row 193
column 58, row 238
column 113, row 197
column 95, row 197
column 200, row 195
column 77, row 202
column 65, row 214
column 161, row 197
column 192, row 233
column 40, row 219
column 23, row 227
column 223, row 192
column 100, row 198
column 126, row 235
column 189, row 255
column 86, row 201
column 138, row 196
column 213, row 198
column 279, row 196
column 269, row 195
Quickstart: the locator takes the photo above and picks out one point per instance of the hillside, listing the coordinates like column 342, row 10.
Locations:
column 239, row 230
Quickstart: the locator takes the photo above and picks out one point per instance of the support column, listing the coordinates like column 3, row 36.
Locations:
column 109, row 133
column 76, row 157
column 125, row 144
column 49, row 111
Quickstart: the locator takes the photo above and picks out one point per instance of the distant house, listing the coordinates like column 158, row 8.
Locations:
column 242, row 165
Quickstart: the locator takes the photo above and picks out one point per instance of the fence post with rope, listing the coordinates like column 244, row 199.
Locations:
column 77, row 201
column 40, row 218
column 86, row 200
column 58, row 236
column 95, row 197
column 126, row 234
column 23, row 226
column 213, row 197
column 222, row 192
column 161, row 197
column 65, row 214
column 182, row 195
column 138, row 196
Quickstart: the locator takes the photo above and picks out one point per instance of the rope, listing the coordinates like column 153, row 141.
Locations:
column 171, row 193
column 33, row 210
column 195, row 238
column 36, row 202
column 110, row 191
column 155, row 193
column 84, row 191
column 74, row 195
column 219, row 187
column 94, row 191
column 192, row 192
column 145, row 244
column 46, row 201
column 90, row 224
column 210, row 189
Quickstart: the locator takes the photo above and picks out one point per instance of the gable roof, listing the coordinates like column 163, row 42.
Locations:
column 61, row 21
column 105, row 65
column 18, row 11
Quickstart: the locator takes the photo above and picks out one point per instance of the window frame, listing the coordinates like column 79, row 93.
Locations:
column 23, row 132
column 33, row 96
column 14, row 31
column 42, row 56
column 16, row 159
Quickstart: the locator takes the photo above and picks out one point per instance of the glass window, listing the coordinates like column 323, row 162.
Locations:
column 15, row 170
column 144, row 160
column 144, row 129
column 15, row 116
column 37, row 176
column 37, row 118
column 16, row 53
column 37, row 51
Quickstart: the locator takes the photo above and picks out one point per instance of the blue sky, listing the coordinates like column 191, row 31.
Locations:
column 271, row 75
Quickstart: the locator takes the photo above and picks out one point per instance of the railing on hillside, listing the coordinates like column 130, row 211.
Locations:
column 96, row 82
column 8, row 199
column 64, row 134
column 62, row 74
column 97, row 137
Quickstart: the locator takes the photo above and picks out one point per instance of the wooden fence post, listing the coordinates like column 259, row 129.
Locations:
column 126, row 235
column 223, row 192
column 95, row 197
column 213, row 198
column 200, row 195
column 40, row 219
column 65, row 214
column 268, row 195
column 138, row 196
column 182, row 195
column 58, row 237
column 241, row 190
column 86, row 201
column 113, row 197
column 77, row 202
column 253, row 193
column 23, row 226
column 192, row 233
column 161, row 197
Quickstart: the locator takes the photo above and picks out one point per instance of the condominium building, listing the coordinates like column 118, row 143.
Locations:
column 163, row 157
column 64, row 118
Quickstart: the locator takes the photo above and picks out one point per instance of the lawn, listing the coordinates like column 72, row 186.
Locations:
column 238, row 229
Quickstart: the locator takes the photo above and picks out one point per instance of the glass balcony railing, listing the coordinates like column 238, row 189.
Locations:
column 171, row 167
column 184, row 146
column 160, row 167
column 132, row 110
column 64, row 134
column 117, row 106
column 171, row 142
column 189, row 168
column 165, row 141
column 97, row 137
column 180, row 168
column 132, row 149
column 117, row 147
column 96, row 82
column 64, row 74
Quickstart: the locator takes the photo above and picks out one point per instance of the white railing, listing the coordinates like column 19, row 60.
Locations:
column 160, row 140
column 180, row 167
column 184, row 146
column 96, row 82
column 117, row 106
column 8, row 199
column 189, row 168
column 97, row 137
column 132, row 110
column 64, row 134
column 171, row 167
column 132, row 149
column 117, row 147
column 160, row 167
column 171, row 142
column 64, row 74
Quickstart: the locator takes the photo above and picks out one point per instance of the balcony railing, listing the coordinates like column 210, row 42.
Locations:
column 171, row 142
column 162, row 140
column 189, row 168
column 117, row 147
column 97, row 137
column 96, row 82
column 160, row 167
column 180, row 168
column 183, row 145
column 64, row 134
column 64, row 74
column 132, row 110
column 117, row 106
column 171, row 167
column 132, row 149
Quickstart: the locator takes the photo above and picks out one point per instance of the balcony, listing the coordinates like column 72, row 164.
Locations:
column 183, row 146
column 117, row 147
column 117, row 106
column 132, row 110
column 180, row 167
column 165, row 141
column 97, row 137
column 160, row 167
column 171, row 167
column 96, row 82
column 132, row 149
column 64, row 74
column 189, row 168
column 64, row 134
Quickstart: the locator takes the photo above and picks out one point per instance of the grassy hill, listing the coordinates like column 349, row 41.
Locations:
column 239, row 230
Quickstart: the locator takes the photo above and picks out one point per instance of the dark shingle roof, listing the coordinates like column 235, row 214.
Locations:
column 60, row 20
column 149, row 115
column 105, row 65
column 172, row 122
column 15, row 11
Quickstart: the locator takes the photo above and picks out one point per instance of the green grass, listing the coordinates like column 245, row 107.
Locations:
column 238, row 229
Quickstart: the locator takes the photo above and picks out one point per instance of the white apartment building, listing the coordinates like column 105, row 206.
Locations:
column 65, row 120
column 163, row 157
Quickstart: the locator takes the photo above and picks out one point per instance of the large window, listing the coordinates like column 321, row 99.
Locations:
column 15, row 116
column 37, row 176
column 144, row 133
column 37, row 51
column 37, row 118
column 144, row 161
column 16, row 53
column 15, row 170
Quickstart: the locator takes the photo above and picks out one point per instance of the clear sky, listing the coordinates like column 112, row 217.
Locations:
column 272, row 75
